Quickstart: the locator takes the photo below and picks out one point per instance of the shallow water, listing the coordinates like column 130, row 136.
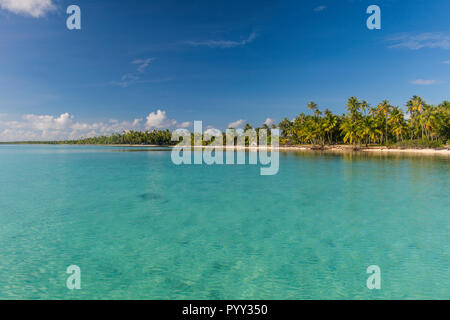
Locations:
column 140, row 227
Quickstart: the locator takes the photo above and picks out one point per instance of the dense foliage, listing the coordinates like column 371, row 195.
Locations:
column 155, row 137
column 384, row 125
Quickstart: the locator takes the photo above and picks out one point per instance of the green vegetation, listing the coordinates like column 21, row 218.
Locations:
column 422, row 126
column 155, row 137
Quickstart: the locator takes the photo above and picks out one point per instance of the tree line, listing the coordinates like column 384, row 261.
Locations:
column 384, row 124
column 154, row 137
column 423, row 125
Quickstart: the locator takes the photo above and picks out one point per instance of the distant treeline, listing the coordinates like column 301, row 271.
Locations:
column 155, row 137
column 423, row 125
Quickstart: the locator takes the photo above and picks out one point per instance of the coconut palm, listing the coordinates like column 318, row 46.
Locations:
column 331, row 122
column 364, row 106
column 312, row 106
column 383, row 110
column 397, row 123
column 353, row 107
column 415, row 105
column 367, row 129
column 286, row 128
column 349, row 130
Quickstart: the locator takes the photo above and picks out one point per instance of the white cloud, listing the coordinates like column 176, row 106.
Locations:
column 63, row 127
column 423, row 82
column 48, row 122
column 446, row 62
column 143, row 64
column 418, row 41
column 222, row 43
column 158, row 120
column 33, row 8
column 320, row 8
column 184, row 124
column 137, row 122
column 269, row 122
column 236, row 124
column 133, row 77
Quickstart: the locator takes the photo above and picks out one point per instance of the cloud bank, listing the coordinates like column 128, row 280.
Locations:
column 33, row 127
column 33, row 8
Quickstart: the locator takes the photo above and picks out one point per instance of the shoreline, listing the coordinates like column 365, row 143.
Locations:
column 347, row 149
column 337, row 148
column 332, row 149
column 378, row 149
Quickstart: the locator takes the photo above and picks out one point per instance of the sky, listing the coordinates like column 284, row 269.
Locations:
column 138, row 65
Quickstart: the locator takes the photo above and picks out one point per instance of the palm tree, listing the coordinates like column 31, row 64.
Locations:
column 415, row 107
column 364, row 106
column 384, row 109
column 317, row 113
column 429, row 120
column 397, row 123
column 349, row 130
column 367, row 129
column 312, row 106
column 247, row 127
column 444, row 117
column 331, row 121
column 354, row 106
column 286, row 128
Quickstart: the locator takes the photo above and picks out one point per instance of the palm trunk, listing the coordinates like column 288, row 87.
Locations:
column 386, row 130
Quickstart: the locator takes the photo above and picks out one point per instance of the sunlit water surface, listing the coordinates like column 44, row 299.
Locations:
column 140, row 227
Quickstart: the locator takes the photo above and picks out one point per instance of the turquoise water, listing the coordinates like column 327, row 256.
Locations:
column 140, row 227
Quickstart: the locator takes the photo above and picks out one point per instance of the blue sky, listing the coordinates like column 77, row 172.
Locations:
column 150, row 64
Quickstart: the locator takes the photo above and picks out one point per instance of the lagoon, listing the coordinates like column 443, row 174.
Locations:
column 140, row 227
